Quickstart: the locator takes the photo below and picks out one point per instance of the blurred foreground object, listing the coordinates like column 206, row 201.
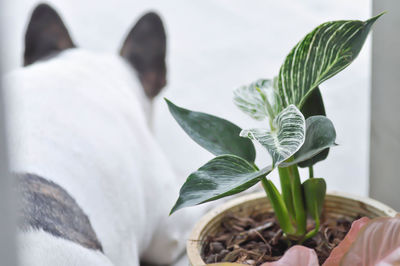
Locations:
column 7, row 220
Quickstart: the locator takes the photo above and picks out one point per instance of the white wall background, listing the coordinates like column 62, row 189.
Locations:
column 385, row 118
column 215, row 46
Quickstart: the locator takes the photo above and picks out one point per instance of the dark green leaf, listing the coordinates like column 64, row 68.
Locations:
column 320, row 134
column 215, row 134
column 315, row 159
column 314, row 194
column 314, row 105
column 221, row 177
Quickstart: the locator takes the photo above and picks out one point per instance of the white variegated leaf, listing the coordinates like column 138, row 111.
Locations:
column 254, row 99
column 324, row 52
column 285, row 138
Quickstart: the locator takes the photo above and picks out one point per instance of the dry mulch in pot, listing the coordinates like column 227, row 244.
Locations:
column 257, row 238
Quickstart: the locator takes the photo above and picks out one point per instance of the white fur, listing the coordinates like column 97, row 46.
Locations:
column 38, row 248
column 81, row 120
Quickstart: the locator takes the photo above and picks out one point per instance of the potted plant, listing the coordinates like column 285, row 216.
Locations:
column 296, row 134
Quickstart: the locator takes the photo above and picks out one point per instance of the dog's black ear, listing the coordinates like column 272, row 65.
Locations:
column 46, row 34
column 145, row 48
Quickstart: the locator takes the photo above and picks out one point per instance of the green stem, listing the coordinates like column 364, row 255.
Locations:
column 315, row 230
column 311, row 171
column 286, row 188
column 278, row 205
column 297, row 195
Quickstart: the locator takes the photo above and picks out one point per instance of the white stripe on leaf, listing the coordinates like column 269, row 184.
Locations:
column 285, row 138
column 255, row 98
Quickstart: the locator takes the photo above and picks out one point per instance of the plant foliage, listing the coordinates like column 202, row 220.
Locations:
column 296, row 133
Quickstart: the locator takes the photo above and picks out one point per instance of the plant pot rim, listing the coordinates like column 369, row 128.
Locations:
column 193, row 245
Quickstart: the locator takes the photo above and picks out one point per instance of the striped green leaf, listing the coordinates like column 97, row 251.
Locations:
column 223, row 176
column 258, row 99
column 286, row 136
column 324, row 52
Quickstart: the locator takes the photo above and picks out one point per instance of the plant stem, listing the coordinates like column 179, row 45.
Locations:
column 311, row 171
column 314, row 231
column 286, row 188
column 292, row 194
column 279, row 206
column 297, row 195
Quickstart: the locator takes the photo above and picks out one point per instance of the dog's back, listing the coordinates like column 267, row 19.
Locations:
column 78, row 127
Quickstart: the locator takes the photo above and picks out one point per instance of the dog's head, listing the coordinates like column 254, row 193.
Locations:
column 144, row 47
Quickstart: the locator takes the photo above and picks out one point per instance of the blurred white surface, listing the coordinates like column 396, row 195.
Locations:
column 215, row 46
column 385, row 118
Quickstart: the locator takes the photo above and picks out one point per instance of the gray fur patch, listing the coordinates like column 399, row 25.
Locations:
column 47, row 206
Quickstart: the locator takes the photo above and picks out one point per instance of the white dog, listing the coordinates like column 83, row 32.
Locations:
column 95, row 187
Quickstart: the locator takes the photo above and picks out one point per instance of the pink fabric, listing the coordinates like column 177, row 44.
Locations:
column 338, row 252
column 376, row 243
column 296, row 256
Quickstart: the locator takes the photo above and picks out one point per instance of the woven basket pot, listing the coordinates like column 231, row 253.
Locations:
column 336, row 205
